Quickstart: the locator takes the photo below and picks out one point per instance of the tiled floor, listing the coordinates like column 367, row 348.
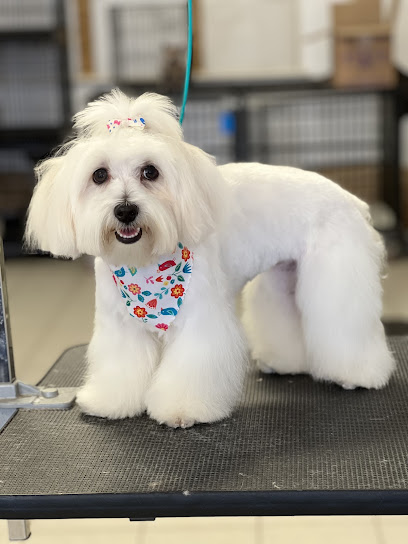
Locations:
column 240, row 530
column 51, row 307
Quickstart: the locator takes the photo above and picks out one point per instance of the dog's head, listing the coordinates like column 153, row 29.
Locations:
column 127, row 188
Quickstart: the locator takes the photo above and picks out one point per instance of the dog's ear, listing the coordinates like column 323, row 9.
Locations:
column 158, row 112
column 200, row 195
column 50, row 224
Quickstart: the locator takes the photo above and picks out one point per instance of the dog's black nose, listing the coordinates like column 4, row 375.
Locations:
column 126, row 213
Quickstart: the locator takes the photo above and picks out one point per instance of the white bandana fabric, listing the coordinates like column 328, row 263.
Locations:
column 155, row 293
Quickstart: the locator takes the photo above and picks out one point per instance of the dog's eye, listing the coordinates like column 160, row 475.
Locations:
column 150, row 172
column 100, row 175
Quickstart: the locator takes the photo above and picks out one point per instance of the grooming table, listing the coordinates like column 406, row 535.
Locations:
column 293, row 447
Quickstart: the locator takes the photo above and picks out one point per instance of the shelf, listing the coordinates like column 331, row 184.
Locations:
column 9, row 137
column 28, row 35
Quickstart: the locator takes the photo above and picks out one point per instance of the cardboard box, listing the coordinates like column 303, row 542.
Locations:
column 362, row 46
column 357, row 12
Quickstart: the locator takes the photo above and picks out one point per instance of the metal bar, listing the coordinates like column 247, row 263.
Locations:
column 6, row 415
column 19, row 529
column 391, row 175
column 61, row 41
column 241, row 132
column 397, row 113
column 7, row 373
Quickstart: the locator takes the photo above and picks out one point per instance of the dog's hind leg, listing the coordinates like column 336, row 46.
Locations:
column 338, row 294
column 272, row 321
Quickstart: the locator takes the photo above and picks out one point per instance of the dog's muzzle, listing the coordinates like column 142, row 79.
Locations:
column 127, row 213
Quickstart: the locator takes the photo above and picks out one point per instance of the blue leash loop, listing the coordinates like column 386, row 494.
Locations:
column 189, row 59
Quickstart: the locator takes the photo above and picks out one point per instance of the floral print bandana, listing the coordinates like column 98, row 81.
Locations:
column 155, row 293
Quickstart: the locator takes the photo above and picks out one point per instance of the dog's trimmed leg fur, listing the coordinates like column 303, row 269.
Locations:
column 344, row 337
column 204, row 357
column 121, row 357
column 272, row 321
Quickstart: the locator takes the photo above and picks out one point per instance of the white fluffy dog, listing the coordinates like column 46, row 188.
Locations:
column 176, row 239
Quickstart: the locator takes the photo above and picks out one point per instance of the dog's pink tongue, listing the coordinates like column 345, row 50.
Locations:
column 129, row 232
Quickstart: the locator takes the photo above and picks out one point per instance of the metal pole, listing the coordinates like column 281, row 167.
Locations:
column 241, row 148
column 7, row 374
column 19, row 529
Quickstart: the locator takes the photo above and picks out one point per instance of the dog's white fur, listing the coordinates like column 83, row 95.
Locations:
column 307, row 248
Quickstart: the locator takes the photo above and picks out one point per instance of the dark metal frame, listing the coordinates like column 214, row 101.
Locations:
column 7, row 373
column 37, row 143
column 148, row 506
column 56, row 36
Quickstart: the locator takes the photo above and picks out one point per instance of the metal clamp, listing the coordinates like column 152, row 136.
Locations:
column 29, row 397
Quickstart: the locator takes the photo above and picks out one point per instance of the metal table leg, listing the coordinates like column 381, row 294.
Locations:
column 19, row 529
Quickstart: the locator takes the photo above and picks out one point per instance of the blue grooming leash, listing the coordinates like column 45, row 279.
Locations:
column 189, row 58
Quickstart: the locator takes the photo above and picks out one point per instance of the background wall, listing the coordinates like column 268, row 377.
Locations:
column 140, row 45
column 238, row 39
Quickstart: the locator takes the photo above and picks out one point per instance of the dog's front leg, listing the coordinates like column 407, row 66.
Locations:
column 199, row 379
column 119, row 373
column 122, row 357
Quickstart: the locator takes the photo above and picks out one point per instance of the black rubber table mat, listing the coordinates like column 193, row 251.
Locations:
column 293, row 446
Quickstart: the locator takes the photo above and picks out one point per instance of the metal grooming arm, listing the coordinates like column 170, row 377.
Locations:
column 13, row 393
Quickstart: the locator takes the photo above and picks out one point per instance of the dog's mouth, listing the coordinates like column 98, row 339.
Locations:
column 128, row 235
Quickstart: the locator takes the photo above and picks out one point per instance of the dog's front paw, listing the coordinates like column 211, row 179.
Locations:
column 181, row 412
column 96, row 402
column 172, row 415
column 175, row 419
column 178, row 422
